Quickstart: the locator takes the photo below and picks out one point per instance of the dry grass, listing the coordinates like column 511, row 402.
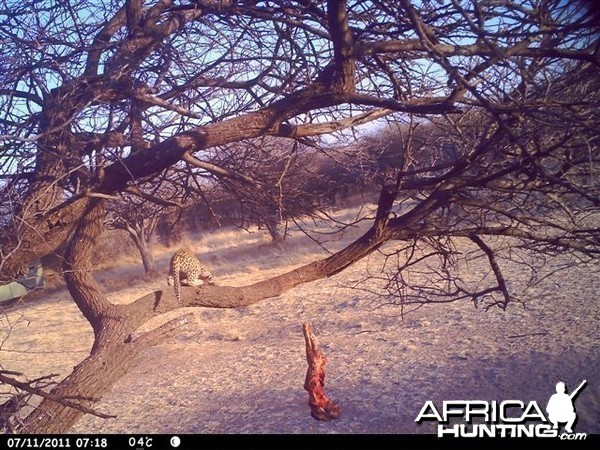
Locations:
column 242, row 370
column 233, row 254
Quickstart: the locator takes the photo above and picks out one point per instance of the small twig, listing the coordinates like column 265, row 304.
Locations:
column 367, row 331
column 539, row 333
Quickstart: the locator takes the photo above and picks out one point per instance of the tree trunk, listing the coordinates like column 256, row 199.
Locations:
column 140, row 232
column 88, row 382
column 114, row 349
column 274, row 227
column 109, row 357
column 147, row 257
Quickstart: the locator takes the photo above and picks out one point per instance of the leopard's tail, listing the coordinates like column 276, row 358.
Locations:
column 176, row 274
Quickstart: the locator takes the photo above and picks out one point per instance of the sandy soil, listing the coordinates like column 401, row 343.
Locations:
column 242, row 370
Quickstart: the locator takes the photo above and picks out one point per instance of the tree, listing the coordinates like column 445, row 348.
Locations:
column 138, row 211
column 269, row 182
column 99, row 97
column 139, row 221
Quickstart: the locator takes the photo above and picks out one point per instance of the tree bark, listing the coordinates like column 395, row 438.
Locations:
column 141, row 239
column 114, row 349
column 147, row 259
column 274, row 227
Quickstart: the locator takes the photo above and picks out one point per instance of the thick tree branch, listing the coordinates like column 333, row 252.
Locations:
column 316, row 129
column 159, row 334
column 343, row 46
column 78, row 268
column 101, row 42
column 260, row 69
column 414, row 49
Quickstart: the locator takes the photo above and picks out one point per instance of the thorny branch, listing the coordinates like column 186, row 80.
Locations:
column 9, row 410
column 184, row 102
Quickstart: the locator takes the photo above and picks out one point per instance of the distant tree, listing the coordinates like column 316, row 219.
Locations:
column 104, row 96
column 523, row 176
column 267, row 181
column 139, row 218
column 169, row 229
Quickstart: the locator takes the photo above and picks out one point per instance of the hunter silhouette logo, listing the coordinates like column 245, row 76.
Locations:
column 560, row 407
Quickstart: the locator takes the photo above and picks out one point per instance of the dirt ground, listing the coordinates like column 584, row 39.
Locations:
column 242, row 370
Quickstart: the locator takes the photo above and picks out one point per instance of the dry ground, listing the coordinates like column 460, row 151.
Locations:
column 242, row 370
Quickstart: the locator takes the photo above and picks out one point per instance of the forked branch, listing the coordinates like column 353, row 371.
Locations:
column 28, row 387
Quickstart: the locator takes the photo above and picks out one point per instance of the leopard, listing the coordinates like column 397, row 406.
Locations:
column 186, row 269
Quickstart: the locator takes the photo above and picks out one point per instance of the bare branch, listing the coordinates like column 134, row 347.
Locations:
column 316, row 129
column 158, row 200
column 495, row 267
column 36, row 391
column 220, row 171
column 411, row 49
